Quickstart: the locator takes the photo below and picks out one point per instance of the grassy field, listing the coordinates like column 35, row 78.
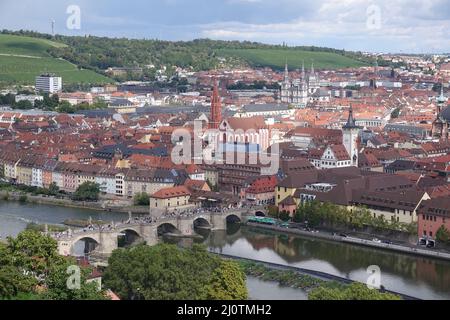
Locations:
column 276, row 58
column 23, row 58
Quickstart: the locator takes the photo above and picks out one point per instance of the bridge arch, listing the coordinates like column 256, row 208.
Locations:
column 84, row 245
column 202, row 222
column 233, row 218
column 260, row 213
column 128, row 236
column 167, row 227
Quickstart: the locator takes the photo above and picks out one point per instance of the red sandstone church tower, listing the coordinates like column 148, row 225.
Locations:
column 216, row 108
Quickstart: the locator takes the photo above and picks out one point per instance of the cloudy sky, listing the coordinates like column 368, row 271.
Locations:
column 416, row 26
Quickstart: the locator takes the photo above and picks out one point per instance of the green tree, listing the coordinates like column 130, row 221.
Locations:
column 14, row 282
column 443, row 235
column 33, row 252
column 65, row 107
column 228, row 282
column 87, row 191
column 396, row 113
column 30, row 261
column 164, row 272
column 142, row 199
column 57, row 288
column 53, row 189
column 23, row 105
column 284, row 216
column 273, row 211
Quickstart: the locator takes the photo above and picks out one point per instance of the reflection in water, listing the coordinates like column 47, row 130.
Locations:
column 417, row 276
column 268, row 290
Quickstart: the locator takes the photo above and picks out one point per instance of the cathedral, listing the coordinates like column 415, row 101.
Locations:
column 442, row 123
column 299, row 91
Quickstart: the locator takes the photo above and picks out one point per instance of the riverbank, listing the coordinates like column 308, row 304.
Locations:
column 101, row 205
column 357, row 241
column 307, row 279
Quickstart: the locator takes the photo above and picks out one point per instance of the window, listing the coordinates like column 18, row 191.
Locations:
column 431, row 233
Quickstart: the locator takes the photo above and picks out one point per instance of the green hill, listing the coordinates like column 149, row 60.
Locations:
column 24, row 54
column 23, row 58
column 276, row 58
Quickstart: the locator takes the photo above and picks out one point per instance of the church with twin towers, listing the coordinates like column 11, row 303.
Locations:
column 300, row 92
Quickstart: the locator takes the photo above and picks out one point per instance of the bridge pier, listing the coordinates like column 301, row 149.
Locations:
column 186, row 226
column 218, row 222
column 107, row 243
column 150, row 235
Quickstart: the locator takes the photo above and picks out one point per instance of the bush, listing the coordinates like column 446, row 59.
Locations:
column 284, row 216
column 355, row 291
column 443, row 235
column 23, row 198
column 142, row 199
column 87, row 191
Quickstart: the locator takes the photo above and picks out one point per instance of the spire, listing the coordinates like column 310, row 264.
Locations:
column 312, row 67
column 303, row 69
column 286, row 72
column 216, row 108
column 351, row 123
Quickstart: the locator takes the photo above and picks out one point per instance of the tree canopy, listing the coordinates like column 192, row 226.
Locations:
column 166, row 272
column 87, row 191
column 31, row 268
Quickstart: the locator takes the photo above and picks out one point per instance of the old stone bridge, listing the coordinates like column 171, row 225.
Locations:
column 103, row 241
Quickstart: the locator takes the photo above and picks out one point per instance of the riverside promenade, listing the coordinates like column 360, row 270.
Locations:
column 414, row 250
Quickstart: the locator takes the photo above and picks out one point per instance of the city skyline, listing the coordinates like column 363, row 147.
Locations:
column 380, row 26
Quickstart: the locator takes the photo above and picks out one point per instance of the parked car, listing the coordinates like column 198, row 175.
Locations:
column 387, row 242
column 431, row 244
column 343, row 235
column 376, row 240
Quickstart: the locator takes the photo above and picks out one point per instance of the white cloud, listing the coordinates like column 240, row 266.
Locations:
column 406, row 24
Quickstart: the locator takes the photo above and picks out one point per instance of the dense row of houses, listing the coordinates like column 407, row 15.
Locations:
column 38, row 172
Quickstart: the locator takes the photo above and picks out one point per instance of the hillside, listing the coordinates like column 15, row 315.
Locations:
column 276, row 58
column 23, row 58
column 27, row 53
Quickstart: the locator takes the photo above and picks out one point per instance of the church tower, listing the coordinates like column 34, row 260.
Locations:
column 350, row 138
column 286, row 87
column 216, row 108
column 304, row 87
column 440, row 126
column 314, row 82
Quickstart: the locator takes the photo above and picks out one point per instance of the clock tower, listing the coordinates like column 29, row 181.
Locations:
column 350, row 138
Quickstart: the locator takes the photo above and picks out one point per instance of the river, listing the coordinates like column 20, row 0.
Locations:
column 420, row 277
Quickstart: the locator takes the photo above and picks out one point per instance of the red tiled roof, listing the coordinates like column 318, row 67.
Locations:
column 173, row 192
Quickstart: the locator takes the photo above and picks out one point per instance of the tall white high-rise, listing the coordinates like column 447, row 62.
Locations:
column 48, row 83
